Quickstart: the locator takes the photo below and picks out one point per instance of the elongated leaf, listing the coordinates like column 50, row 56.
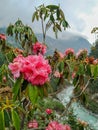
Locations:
column 45, row 91
column 81, row 70
column 6, row 118
column 92, row 69
column 2, row 124
column 58, row 14
column 15, row 120
column 33, row 93
column 95, row 71
column 58, row 27
column 52, row 18
column 46, row 15
column 16, row 88
column 65, row 24
column 55, row 31
column 88, row 70
column 52, row 7
column 41, row 92
column 48, row 25
column 33, row 17
column 61, row 66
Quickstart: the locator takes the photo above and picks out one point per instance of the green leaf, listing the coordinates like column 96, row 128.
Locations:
column 15, row 120
column 62, row 14
column 58, row 14
column 46, row 15
column 7, row 118
column 65, row 24
column 92, row 69
column 52, row 7
column 95, row 71
column 33, row 17
column 52, row 18
column 33, row 93
column 37, row 16
column 55, row 31
column 2, row 122
column 75, row 80
column 58, row 27
column 88, row 70
column 61, row 66
column 16, row 88
column 48, row 25
column 45, row 91
column 41, row 92
column 81, row 70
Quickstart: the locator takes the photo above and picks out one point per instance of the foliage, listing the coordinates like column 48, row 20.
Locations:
column 76, row 124
column 26, row 78
column 23, row 34
column 50, row 16
column 52, row 104
column 94, row 50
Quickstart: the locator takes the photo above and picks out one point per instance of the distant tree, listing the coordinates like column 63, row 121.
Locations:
column 94, row 50
column 95, row 31
column 93, row 86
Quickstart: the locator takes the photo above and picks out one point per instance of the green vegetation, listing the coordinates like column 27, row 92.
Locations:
column 28, row 77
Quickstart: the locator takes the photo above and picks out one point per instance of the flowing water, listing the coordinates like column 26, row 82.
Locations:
column 79, row 110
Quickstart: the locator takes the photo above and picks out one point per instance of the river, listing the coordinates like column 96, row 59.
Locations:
column 82, row 113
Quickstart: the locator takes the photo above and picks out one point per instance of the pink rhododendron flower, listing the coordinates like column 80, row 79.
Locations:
column 54, row 125
column 16, row 66
column 69, row 51
column 2, row 37
column 15, row 69
column 61, row 55
column 66, row 127
column 32, row 124
column 39, row 48
column 81, row 52
column 34, row 68
column 95, row 62
column 57, row 74
column 48, row 111
column 73, row 75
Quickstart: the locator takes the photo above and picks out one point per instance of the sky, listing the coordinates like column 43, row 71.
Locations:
column 80, row 14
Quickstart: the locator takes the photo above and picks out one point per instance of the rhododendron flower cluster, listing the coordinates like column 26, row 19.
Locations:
column 2, row 37
column 34, row 68
column 54, row 125
column 57, row 74
column 82, row 53
column 49, row 111
column 69, row 51
column 73, row 75
column 16, row 66
column 32, row 124
column 91, row 60
column 39, row 48
column 61, row 55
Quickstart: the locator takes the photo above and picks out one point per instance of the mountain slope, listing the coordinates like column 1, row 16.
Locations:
column 74, row 41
